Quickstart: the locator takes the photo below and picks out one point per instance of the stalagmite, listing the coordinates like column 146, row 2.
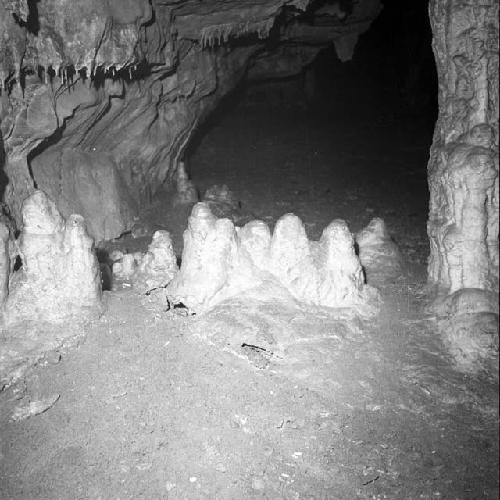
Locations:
column 59, row 279
column 342, row 282
column 379, row 255
column 153, row 269
column 291, row 259
column 207, row 260
column 186, row 192
column 220, row 261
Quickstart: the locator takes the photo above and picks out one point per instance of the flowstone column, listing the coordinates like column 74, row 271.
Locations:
column 463, row 182
column 463, row 165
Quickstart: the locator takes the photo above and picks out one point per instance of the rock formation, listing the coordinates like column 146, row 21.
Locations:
column 378, row 253
column 153, row 269
column 185, row 191
column 463, row 166
column 220, row 261
column 463, row 181
column 59, row 278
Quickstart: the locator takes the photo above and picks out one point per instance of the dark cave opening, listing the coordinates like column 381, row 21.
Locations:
column 355, row 146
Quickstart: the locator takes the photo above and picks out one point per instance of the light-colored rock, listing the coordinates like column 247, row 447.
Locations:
column 291, row 259
column 153, row 269
column 59, row 279
column 378, row 253
column 341, row 276
column 207, row 260
column 220, row 262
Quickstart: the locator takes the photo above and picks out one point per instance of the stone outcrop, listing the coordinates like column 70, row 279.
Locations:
column 124, row 85
column 220, row 261
column 59, row 278
column 463, row 166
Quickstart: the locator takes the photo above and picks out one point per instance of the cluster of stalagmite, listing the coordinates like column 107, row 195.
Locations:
column 220, row 261
column 150, row 270
column 59, row 278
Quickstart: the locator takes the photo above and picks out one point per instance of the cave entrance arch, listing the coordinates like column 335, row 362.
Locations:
column 335, row 140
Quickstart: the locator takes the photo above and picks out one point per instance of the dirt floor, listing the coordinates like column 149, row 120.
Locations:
column 150, row 404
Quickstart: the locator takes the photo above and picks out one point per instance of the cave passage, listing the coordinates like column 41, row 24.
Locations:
column 353, row 144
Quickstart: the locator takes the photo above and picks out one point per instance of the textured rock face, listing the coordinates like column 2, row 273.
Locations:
column 90, row 184
column 220, row 261
column 59, row 278
column 463, row 167
column 131, row 81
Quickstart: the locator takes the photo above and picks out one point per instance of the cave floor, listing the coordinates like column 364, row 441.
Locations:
column 157, row 405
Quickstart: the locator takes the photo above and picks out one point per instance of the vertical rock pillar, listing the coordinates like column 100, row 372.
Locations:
column 463, row 165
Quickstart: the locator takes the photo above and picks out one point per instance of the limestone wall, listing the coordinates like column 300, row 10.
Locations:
column 129, row 81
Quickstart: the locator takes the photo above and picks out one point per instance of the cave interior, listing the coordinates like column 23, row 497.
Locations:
column 249, row 249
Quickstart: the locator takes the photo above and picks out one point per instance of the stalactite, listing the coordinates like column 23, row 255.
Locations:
column 215, row 35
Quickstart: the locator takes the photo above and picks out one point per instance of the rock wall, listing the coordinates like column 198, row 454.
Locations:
column 130, row 81
column 463, row 165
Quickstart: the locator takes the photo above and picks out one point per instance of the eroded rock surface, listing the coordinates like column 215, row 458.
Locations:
column 59, row 279
column 220, row 261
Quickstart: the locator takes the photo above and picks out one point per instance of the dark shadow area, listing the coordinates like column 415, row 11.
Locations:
column 225, row 107
column 32, row 22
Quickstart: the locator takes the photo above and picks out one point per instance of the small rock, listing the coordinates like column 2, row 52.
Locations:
column 34, row 408
column 52, row 357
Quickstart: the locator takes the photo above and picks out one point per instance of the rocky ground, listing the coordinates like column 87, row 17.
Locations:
column 149, row 404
